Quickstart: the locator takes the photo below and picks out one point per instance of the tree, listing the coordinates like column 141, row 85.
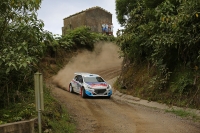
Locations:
column 123, row 9
column 164, row 33
column 21, row 44
column 153, row 3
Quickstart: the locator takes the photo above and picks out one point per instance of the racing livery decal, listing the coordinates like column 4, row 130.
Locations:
column 97, row 84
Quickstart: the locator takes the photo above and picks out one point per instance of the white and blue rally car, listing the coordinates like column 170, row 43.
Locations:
column 87, row 84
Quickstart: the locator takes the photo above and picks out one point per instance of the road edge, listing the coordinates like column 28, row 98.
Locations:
column 135, row 100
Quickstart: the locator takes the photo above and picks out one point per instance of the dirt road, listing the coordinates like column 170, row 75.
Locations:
column 101, row 115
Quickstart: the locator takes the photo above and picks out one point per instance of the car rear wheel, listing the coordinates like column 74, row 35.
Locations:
column 71, row 88
column 83, row 95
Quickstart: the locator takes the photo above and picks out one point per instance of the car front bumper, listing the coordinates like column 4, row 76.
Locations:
column 98, row 92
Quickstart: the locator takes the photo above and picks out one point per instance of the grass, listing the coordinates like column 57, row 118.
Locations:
column 185, row 114
column 64, row 125
column 55, row 117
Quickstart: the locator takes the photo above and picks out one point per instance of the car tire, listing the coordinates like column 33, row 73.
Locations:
column 71, row 89
column 83, row 95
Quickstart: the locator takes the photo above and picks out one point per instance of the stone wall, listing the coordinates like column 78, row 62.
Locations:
column 74, row 22
column 18, row 127
column 93, row 17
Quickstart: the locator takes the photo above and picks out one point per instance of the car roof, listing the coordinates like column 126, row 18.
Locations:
column 86, row 74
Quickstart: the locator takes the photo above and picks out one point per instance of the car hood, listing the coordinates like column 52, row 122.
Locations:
column 98, row 85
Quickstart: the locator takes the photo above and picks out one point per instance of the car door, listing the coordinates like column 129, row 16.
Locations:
column 79, row 83
column 75, row 85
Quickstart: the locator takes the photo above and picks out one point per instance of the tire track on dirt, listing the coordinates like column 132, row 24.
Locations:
column 110, row 72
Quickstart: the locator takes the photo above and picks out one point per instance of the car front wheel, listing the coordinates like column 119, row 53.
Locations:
column 71, row 88
column 83, row 95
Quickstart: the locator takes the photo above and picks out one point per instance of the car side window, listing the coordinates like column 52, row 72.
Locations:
column 99, row 79
column 76, row 77
column 81, row 79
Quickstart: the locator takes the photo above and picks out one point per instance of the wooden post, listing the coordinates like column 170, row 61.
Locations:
column 38, row 81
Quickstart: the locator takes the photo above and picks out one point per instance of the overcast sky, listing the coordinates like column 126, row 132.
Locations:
column 52, row 12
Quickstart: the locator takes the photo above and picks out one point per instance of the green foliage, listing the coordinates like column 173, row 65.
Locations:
column 123, row 9
column 181, row 90
column 20, row 35
column 153, row 3
column 21, row 47
column 152, row 36
column 79, row 37
column 23, row 43
column 183, row 83
column 165, row 34
column 15, row 113
column 54, row 116
column 63, row 125
column 181, row 113
column 82, row 37
column 184, row 113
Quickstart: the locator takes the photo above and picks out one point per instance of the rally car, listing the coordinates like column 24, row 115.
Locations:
column 87, row 84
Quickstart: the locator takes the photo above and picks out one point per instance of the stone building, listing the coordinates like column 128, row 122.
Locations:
column 93, row 17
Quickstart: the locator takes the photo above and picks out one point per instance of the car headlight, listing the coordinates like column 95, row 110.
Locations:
column 109, row 87
column 89, row 87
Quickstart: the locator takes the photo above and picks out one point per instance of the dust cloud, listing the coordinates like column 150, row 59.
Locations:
column 104, row 56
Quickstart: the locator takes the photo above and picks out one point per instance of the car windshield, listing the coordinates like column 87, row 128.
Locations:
column 93, row 79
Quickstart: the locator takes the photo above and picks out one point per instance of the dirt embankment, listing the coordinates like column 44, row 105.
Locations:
column 99, row 115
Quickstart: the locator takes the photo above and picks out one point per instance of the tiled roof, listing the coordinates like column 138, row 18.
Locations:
column 92, row 8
